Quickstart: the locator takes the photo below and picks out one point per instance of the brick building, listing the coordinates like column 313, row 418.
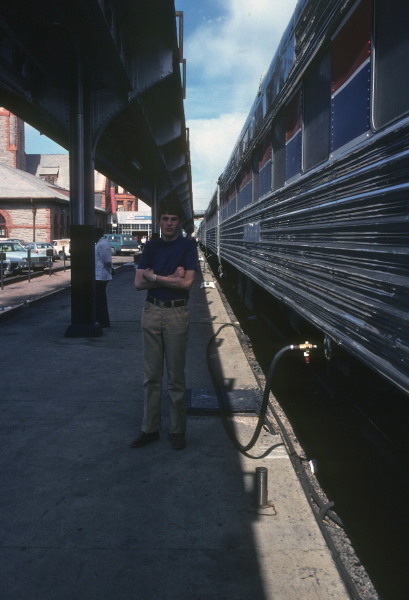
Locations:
column 30, row 209
column 34, row 191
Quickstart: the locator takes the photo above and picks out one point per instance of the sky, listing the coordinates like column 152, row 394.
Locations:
column 228, row 45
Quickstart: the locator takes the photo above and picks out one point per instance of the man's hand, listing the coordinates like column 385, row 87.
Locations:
column 180, row 272
column 148, row 274
column 146, row 279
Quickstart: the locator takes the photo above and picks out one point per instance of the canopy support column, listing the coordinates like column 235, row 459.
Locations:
column 82, row 234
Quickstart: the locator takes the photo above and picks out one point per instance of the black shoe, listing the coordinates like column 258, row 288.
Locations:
column 145, row 438
column 178, row 441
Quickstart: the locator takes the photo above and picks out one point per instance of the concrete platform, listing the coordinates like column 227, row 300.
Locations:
column 83, row 516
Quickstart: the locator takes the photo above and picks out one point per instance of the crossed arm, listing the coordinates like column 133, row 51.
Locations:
column 181, row 279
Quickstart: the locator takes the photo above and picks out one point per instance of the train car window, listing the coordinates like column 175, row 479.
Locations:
column 293, row 136
column 351, row 74
column 245, row 186
column 232, row 200
column 264, row 166
column 288, row 58
column 275, row 83
column 245, row 141
column 258, row 115
column 223, row 204
column 317, row 114
column 391, row 91
column 255, row 178
column 279, row 152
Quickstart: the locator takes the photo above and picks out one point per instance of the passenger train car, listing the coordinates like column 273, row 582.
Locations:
column 313, row 203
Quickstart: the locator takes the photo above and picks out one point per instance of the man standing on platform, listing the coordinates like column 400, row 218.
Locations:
column 166, row 270
column 103, row 274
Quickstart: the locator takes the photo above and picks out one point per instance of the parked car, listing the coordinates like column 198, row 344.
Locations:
column 16, row 258
column 62, row 247
column 20, row 241
column 40, row 248
column 123, row 243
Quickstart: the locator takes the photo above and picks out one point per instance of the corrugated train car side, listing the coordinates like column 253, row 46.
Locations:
column 313, row 204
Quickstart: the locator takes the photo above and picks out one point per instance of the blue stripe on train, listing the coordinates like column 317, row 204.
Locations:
column 350, row 109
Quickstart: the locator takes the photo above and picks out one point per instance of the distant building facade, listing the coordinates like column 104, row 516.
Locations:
column 137, row 223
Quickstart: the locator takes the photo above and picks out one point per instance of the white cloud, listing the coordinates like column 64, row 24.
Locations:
column 238, row 48
column 226, row 58
column 210, row 149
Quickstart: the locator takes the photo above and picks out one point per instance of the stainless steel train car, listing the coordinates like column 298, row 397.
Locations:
column 313, row 203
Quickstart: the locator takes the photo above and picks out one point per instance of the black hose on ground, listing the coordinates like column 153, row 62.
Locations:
column 264, row 405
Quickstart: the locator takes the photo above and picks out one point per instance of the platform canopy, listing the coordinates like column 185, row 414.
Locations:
column 126, row 58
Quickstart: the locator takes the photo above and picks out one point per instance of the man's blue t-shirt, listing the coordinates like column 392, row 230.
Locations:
column 164, row 258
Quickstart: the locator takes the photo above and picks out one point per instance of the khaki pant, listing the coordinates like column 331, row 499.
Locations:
column 165, row 333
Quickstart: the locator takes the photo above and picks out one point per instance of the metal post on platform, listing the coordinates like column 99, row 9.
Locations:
column 261, row 487
column 29, row 264
column 34, row 211
column 50, row 253
column 3, row 256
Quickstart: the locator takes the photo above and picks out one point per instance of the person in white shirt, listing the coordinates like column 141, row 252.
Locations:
column 103, row 274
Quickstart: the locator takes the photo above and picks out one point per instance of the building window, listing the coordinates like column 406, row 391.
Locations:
column 3, row 231
column 49, row 178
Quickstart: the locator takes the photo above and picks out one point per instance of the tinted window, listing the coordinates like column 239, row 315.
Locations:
column 391, row 92
column 317, row 113
column 351, row 77
column 293, row 136
column 279, row 152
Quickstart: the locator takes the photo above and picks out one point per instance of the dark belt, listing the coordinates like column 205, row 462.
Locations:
column 166, row 303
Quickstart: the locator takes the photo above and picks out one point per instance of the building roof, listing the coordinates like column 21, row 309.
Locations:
column 15, row 183
column 50, row 164
column 58, row 165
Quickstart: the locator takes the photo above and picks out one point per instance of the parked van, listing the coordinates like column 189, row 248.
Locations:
column 123, row 243
column 62, row 247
